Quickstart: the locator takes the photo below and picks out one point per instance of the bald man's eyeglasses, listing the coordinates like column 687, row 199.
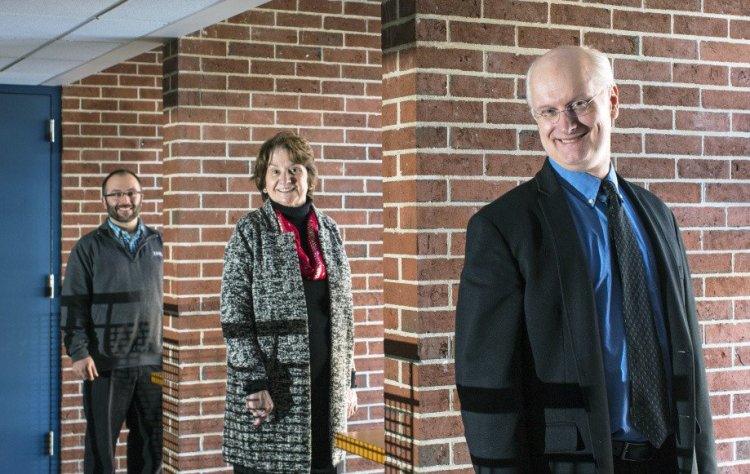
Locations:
column 578, row 108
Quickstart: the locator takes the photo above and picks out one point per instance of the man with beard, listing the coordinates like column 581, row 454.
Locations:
column 111, row 312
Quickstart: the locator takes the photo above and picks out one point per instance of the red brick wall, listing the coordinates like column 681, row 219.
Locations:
column 315, row 69
column 682, row 133
column 109, row 120
column 457, row 134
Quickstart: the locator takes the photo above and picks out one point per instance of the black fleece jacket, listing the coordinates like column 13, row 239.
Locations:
column 112, row 301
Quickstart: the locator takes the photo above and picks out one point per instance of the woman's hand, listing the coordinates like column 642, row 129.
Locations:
column 260, row 405
column 352, row 406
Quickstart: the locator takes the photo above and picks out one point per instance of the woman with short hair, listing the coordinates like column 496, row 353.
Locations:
column 287, row 318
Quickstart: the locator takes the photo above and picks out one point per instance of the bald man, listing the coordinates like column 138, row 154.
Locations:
column 572, row 357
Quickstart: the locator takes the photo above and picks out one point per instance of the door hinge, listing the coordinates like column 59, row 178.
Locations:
column 52, row 130
column 51, row 286
column 49, row 443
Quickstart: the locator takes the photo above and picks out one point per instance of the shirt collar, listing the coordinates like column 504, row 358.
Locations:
column 586, row 185
column 122, row 233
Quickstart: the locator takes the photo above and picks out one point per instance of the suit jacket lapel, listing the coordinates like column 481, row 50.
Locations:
column 579, row 310
column 577, row 293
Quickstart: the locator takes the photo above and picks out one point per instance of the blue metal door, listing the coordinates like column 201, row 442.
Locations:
column 29, row 259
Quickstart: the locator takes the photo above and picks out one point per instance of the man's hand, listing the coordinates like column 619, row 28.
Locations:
column 353, row 403
column 85, row 369
column 260, row 405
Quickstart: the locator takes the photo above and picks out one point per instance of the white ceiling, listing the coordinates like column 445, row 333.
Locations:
column 55, row 42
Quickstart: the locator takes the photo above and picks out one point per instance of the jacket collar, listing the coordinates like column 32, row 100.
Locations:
column 147, row 231
column 546, row 179
column 578, row 305
column 270, row 216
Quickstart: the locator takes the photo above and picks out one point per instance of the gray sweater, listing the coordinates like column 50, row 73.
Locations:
column 112, row 301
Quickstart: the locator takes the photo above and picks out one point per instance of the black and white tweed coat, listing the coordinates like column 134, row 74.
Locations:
column 264, row 319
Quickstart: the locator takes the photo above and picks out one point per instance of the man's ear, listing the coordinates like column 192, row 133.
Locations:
column 614, row 102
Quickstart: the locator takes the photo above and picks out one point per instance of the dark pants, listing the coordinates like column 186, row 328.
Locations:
column 320, row 431
column 116, row 396
column 663, row 462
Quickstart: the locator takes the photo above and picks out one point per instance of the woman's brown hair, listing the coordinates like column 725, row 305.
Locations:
column 300, row 153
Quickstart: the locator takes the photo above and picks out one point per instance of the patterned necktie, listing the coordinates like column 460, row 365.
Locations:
column 648, row 388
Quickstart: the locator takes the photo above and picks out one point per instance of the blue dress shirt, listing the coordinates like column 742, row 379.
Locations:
column 588, row 208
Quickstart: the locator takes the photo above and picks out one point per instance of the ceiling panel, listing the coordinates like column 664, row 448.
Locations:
column 35, row 69
column 164, row 11
column 39, row 26
column 54, row 42
column 108, row 30
column 17, row 47
column 4, row 61
column 75, row 51
column 75, row 8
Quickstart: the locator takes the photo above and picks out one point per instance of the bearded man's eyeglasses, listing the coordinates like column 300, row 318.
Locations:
column 120, row 194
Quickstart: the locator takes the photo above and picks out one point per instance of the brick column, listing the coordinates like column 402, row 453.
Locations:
column 196, row 227
column 428, row 155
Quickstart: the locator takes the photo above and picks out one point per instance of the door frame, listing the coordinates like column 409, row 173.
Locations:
column 55, row 95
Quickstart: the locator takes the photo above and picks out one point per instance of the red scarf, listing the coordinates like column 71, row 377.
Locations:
column 311, row 270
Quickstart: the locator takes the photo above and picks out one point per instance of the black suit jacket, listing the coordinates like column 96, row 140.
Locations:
column 529, row 368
